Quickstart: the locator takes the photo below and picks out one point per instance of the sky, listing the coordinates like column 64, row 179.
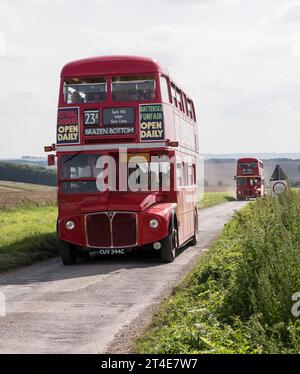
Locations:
column 238, row 59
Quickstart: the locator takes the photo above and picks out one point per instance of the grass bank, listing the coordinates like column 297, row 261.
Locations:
column 215, row 198
column 238, row 298
column 27, row 235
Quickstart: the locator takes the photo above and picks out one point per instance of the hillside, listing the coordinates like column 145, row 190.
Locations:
column 27, row 174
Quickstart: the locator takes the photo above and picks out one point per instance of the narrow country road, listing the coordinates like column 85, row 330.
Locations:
column 95, row 306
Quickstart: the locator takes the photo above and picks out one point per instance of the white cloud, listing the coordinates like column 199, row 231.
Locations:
column 284, row 13
column 240, row 73
column 296, row 44
column 3, row 46
column 9, row 17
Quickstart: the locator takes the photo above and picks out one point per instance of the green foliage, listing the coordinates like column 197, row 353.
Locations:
column 27, row 174
column 238, row 298
column 27, row 235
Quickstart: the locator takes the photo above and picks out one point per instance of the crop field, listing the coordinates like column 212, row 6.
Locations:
column 14, row 194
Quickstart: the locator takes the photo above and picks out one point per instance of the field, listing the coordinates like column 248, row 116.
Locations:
column 27, row 235
column 215, row 196
column 14, row 194
column 238, row 299
column 27, row 224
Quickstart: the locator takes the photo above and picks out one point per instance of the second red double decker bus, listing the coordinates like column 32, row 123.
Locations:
column 127, row 151
column 250, row 181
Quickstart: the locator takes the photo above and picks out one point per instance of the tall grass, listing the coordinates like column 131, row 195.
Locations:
column 238, row 299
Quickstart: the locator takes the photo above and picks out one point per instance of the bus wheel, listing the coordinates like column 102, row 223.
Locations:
column 196, row 229
column 169, row 246
column 67, row 253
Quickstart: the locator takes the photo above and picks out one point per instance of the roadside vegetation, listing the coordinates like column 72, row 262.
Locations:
column 238, row 299
column 214, row 198
column 27, row 224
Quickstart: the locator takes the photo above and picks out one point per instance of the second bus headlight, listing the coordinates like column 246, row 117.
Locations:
column 153, row 223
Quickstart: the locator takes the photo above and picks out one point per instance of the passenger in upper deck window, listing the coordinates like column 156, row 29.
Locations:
column 76, row 98
column 95, row 97
column 147, row 95
column 90, row 97
column 134, row 96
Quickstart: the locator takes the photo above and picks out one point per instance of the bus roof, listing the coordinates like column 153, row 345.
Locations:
column 112, row 65
column 249, row 159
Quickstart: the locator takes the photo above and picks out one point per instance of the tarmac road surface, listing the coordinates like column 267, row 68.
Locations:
column 98, row 305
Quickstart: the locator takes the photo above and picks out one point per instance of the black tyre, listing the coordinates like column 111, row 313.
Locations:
column 169, row 244
column 67, row 253
column 196, row 229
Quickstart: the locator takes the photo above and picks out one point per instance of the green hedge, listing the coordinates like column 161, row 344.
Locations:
column 27, row 174
column 238, row 299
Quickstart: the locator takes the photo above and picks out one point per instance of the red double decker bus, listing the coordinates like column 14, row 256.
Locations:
column 127, row 152
column 250, row 180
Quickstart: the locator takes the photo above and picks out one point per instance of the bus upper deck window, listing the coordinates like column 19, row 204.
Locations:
column 85, row 90
column 190, row 109
column 137, row 88
column 164, row 87
column 173, row 91
column 184, row 103
column 179, row 99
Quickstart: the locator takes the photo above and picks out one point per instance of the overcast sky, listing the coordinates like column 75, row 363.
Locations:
column 239, row 59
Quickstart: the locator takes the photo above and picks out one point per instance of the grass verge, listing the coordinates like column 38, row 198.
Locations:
column 238, row 298
column 214, row 198
column 27, row 235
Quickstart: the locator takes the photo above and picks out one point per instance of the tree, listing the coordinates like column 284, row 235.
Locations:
column 27, row 174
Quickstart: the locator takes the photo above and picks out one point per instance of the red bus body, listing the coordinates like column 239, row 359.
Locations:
column 249, row 178
column 110, row 121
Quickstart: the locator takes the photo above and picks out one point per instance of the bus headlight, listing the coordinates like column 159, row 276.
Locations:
column 70, row 225
column 153, row 223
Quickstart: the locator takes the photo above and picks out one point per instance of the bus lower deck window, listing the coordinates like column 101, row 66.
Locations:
column 137, row 88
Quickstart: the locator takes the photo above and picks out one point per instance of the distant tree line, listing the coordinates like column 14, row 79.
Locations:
column 27, row 174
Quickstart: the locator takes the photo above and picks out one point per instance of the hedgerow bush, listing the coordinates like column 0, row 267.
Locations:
column 238, row 298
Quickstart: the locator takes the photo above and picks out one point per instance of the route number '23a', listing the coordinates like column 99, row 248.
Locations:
column 91, row 117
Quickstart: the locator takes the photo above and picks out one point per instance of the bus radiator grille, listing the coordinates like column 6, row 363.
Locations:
column 112, row 229
column 124, row 229
column 98, row 230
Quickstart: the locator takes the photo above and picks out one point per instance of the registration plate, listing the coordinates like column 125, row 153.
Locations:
column 112, row 251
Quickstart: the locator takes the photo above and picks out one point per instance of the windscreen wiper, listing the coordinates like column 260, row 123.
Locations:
column 71, row 158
